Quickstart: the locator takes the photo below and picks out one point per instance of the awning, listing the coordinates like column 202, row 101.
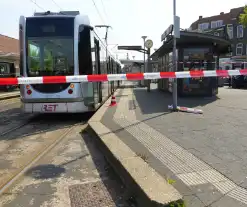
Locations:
column 194, row 39
column 14, row 56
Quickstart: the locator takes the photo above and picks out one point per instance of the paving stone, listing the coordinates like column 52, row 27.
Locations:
column 227, row 202
column 193, row 201
column 216, row 138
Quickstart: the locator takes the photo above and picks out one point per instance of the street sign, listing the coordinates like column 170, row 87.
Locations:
column 134, row 47
column 149, row 44
column 168, row 31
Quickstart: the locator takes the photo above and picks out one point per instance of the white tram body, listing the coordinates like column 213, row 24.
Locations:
column 62, row 44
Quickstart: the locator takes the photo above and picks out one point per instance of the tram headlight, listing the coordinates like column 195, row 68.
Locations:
column 27, row 86
column 72, row 85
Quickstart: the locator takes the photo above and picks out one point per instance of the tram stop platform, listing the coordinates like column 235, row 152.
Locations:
column 167, row 157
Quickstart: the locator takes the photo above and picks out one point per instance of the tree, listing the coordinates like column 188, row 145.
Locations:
column 243, row 17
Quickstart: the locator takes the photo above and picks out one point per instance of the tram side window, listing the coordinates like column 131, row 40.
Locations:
column 97, row 56
column 21, row 49
column 109, row 66
column 84, row 50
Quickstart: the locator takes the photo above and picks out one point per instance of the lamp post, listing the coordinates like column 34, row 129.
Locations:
column 144, row 38
column 144, row 65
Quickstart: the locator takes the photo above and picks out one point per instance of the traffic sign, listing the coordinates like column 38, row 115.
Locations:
column 149, row 44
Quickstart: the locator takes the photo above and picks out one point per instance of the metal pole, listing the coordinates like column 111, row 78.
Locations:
column 148, row 70
column 174, row 85
column 144, row 65
column 144, row 56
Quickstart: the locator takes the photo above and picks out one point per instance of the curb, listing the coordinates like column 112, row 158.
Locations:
column 145, row 185
column 4, row 97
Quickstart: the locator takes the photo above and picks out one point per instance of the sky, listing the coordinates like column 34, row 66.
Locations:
column 129, row 19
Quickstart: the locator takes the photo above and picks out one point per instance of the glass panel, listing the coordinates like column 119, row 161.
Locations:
column 50, row 46
column 50, row 50
column 4, row 69
column 50, row 56
column 197, row 59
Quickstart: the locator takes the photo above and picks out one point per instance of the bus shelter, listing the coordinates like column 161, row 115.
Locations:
column 195, row 51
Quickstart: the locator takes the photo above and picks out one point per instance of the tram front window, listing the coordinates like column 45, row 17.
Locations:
column 50, row 56
column 50, row 46
column 50, row 43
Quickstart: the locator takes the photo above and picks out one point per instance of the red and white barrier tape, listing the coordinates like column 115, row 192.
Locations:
column 197, row 62
column 118, row 77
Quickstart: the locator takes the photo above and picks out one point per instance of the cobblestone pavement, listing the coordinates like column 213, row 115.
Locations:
column 204, row 154
column 74, row 173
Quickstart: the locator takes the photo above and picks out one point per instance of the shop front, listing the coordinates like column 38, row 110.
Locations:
column 195, row 51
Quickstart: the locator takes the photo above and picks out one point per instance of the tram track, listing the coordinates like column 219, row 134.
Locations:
column 21, row 148
column 14, row 128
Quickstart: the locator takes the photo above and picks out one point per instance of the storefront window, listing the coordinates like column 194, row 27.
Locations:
column 196, row 59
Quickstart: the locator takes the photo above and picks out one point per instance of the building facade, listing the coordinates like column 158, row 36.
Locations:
column 216, row 24
column 9, row 53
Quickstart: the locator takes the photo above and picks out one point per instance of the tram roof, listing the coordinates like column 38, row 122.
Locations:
column 193, row 39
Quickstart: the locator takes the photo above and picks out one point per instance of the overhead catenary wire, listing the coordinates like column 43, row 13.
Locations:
column 102, row 19
column 104, row 10
column 57, row 4
column 34, row 2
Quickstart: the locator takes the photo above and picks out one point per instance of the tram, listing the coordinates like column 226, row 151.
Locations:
column 62, row 44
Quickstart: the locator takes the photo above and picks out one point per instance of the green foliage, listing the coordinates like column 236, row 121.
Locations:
column 170, row 181
column 177, row 204
column 35, row 61
column 243, row 17
column 48, row 61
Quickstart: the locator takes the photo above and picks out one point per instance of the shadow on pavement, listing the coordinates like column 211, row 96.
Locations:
column 45, row 171
column 113, row 184
column 45, row 123
column 157, row 101
column 49, row 170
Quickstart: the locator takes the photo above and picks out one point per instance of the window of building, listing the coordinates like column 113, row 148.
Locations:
column 216, row 24
column 219, row 23
column 240, row 31
column 230, row 31
column 203, row 26
column 239, row 49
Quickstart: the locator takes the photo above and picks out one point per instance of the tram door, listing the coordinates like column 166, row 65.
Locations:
column 197, row 59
